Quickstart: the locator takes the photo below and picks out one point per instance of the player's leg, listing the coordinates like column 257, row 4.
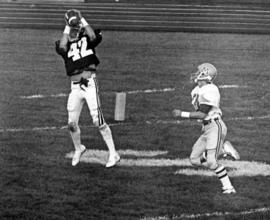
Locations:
column 93, row 102
column 215, row 137
column 197, row 157
column 227, row 148
column 220, row 171
column 74, row 107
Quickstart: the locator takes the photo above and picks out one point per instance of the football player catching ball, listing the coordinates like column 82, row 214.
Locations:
column 77, row 48
column 206, row 101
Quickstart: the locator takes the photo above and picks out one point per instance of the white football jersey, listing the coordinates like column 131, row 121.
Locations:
column 209, row 95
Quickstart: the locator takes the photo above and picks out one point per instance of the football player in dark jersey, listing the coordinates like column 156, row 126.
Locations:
column 77, row 48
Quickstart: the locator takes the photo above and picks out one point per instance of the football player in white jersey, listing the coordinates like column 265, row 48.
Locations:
column 206, row 101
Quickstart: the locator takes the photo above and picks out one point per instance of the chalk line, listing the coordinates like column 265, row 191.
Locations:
column 212, row 214
column 147, row 159
column 60, row 95
column 40, row 96
column 153, row 122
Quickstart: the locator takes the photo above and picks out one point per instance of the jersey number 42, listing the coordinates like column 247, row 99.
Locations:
column 79, row 50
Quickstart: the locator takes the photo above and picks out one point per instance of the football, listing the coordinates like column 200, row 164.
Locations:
column 72, row 18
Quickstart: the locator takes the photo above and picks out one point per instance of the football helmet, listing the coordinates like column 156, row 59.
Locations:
column 206, row 72
column 73, row 19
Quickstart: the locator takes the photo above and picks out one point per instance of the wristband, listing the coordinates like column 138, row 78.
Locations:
column 84, row 22
column 67, row 30
column 185, row 114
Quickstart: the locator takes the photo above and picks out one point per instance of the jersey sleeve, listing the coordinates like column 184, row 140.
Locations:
column 210, row 97
column 98, row 39
column 58, row 49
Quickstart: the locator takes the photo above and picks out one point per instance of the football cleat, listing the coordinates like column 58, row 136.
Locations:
column 230, row 150
column 77, row 155
column 230, row 190
column 113, row 160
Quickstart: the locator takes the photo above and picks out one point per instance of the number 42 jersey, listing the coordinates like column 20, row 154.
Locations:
column 80, row 54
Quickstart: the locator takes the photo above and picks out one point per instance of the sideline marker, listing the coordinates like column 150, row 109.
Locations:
column 120, row 106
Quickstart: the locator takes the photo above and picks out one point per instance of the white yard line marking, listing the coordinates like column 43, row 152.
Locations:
column 231, row 86
column 147, row 159
column 90, row 153
column 212, row 214
column 40, row 96
column 247, row 118
column 151, row 91
column 235, row 168
column 142, row 153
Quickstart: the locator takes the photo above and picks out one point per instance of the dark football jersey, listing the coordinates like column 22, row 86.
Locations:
column 80, row 54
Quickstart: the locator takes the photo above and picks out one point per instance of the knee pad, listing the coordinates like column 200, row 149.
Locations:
column 212, row 164
column 72, row 126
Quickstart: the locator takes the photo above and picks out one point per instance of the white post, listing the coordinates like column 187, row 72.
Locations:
column 120, row 106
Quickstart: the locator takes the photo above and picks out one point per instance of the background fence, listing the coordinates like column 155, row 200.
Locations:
column 169, row 15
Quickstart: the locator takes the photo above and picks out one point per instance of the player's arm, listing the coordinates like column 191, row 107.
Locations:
column 200, row 114
column 88, row 29
column 61, row 45
column 94, row 35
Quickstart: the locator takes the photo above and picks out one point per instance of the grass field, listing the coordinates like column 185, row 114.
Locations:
column 37, row 179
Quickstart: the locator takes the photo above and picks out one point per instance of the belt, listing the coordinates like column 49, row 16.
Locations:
column 82, row 82
column 206, row 122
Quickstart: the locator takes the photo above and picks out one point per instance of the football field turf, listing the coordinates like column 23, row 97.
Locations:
column 154, row 179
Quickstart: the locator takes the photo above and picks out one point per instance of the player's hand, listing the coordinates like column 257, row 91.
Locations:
column 78, row 13
column 176, row 112
column 73, row 13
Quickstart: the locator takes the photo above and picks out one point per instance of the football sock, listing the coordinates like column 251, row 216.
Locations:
column 223, row 176
column 106, row 133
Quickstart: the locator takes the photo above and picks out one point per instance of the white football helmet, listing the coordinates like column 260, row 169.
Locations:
column 206, row 72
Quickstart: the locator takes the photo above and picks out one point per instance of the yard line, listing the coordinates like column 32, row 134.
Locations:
column 213, row 214
column 148, row 159
column 231, row 86
column 153, row 122
column 151, row 91
column 244, row 118
column 40, row 96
